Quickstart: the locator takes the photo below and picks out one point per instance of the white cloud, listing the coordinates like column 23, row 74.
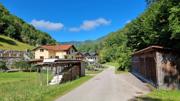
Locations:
column 90, row 24
column 128, row 21
column 47, row 25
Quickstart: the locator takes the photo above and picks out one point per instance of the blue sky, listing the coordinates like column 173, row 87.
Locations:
column 76, row 20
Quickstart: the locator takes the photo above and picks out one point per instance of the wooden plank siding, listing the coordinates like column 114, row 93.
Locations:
column 157, row 65
column 145, row 65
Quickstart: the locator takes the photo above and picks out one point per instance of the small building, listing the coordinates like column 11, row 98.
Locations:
column 78, row 56
column 63, row 70
column 91, row 58
column 55, row 51
column 158, row 65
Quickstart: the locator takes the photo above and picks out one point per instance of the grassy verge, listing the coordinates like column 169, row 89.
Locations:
column 161, row 95
column 64, row 88
column 116, row 65
column 22, row 86
column 93, row 72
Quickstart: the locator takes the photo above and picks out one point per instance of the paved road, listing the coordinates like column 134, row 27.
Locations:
column 107, row 86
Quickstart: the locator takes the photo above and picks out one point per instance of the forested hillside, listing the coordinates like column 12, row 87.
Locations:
column 16, row 28
column 158, row 25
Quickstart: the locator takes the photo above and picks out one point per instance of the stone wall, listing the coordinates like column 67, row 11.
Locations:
column 10, row 56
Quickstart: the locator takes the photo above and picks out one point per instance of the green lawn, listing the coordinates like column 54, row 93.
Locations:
column 22, row 86
column 116, row 65
column 161, row 95
column 7, row 43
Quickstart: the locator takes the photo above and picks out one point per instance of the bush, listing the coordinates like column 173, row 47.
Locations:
column 2, row 65
column 23, row 65
column 34, row 68
column 124, row 58
column 90, row 67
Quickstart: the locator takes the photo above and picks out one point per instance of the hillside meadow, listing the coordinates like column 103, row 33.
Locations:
column 7, row 43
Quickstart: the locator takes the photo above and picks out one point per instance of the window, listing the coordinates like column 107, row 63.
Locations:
column 65, row 56
column 68, row 52
column 41, row 50
column 41, row 57
column 57, row 57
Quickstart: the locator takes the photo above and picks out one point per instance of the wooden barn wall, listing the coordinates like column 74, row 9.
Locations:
column 72, row 73
column 168, row 67
column 83, row 64
column 145, row 66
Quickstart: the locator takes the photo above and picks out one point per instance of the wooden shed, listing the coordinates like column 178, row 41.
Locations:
column 158, row 66
column 67, row 68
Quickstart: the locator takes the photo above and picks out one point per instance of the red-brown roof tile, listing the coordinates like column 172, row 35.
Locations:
column 57, row 47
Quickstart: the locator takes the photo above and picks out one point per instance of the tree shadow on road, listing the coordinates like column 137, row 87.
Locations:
column 145, row 99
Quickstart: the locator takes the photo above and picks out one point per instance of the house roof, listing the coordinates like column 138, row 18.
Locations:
column 56, row 47
column 152, row 48
column 85, row 53
column 90, row 54
column 77, row 53
column 93, row 54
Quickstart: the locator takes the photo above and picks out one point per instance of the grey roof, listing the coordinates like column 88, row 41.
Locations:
column 75, row 53
column 89, row 53
column 93, row 54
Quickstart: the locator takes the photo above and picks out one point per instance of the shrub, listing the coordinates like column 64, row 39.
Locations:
column 23, row 65
column 90, row 67
column 2, row 65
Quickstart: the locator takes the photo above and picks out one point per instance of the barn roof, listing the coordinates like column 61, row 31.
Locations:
column 152, row 48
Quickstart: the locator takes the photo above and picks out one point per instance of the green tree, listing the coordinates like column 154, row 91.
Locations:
column 10, row 31
column 158, row 25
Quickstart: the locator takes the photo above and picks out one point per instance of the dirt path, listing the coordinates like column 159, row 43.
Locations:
column 107, row 86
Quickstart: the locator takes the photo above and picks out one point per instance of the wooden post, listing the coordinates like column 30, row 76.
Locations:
column 47, row 76
column 40, row 75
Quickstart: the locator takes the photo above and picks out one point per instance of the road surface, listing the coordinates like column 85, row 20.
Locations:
column 107, row 86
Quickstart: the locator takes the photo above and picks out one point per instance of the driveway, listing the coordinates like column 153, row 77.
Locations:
column 108, row 86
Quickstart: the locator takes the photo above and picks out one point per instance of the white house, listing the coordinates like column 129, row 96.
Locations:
column 55, row 51
column 91, row 58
